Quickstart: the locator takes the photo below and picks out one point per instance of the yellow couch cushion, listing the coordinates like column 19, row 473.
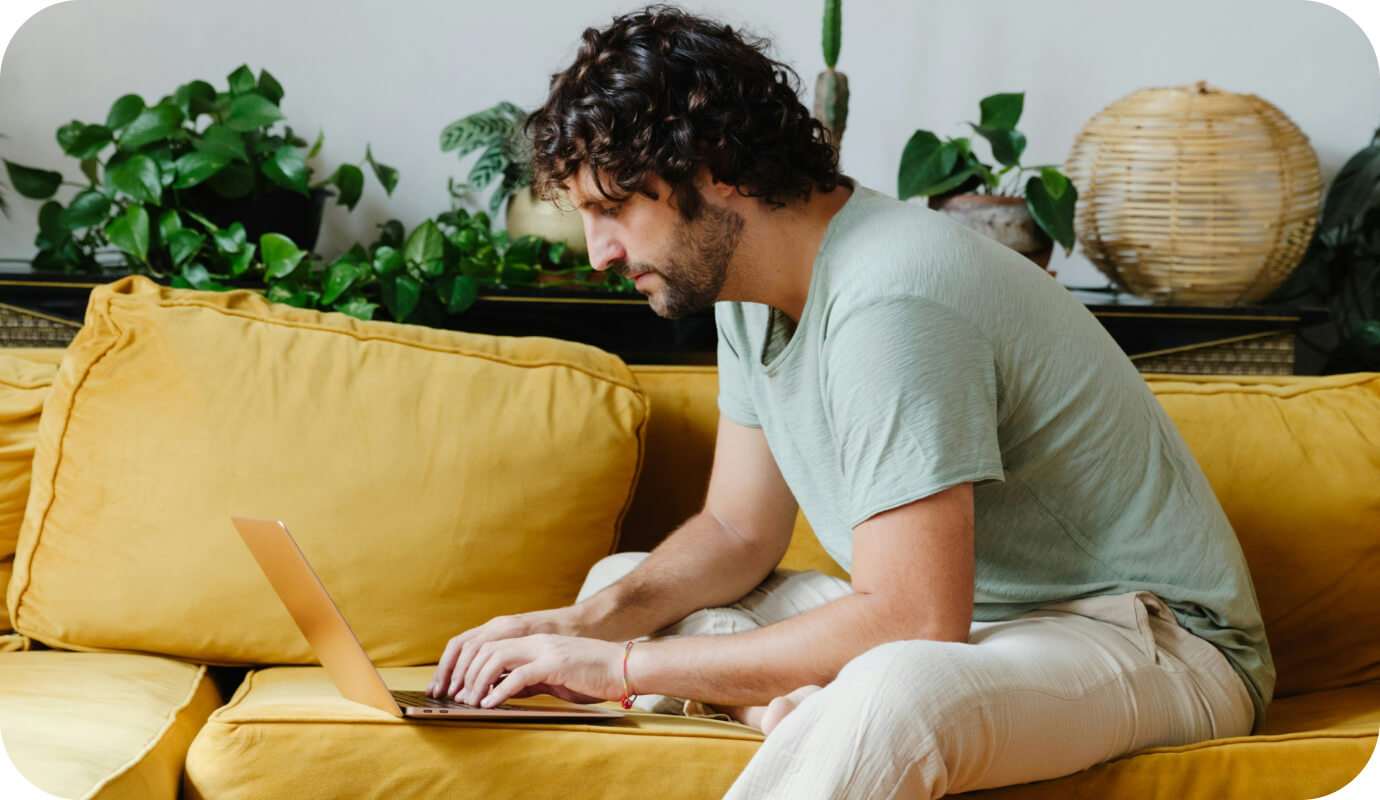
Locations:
column 302, row 739
column 434, row 479
column 1313, row 744
column 24, row 385
column 102, row 725
column 287, row 732
column 1295, row 462
column 680, row 453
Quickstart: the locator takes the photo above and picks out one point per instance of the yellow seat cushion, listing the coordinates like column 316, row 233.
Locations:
column 1295, row 462
column 24, row 386
column 1312, row 744
column 102, row 725
column 287, row 732
column 433, row 478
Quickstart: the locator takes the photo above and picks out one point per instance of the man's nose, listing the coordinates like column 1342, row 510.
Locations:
column 604, row 250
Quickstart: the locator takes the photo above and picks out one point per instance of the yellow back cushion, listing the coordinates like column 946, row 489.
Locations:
column 434, row 479
column 1295, row 462
column 24, row 385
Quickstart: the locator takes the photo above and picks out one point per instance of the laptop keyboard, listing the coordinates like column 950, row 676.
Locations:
column 423, row 700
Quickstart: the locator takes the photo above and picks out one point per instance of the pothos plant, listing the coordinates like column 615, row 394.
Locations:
column 141, row 195
column 930, row 166
column 423, row 276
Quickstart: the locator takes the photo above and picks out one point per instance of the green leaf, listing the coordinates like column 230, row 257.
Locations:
column 137, row 176
column 1367, row 334
column 124, row 111
column 391, row 233
column 270, row 87
column 952, row 182
column 400, row 293
column 350, row 180
column 482, row 129
column 386, row 174
column 198, row 276
column 489, row 166
column 556, row 252
column 316, row 148
column 241, row 80
column 925, row 162
column 358, row 307
column 195, row 167
column 91, row 140
column 1351, row 192
column 36, row 184
column 130, row 232
column 183, row 244
column 200, row 98
column 67, row 134
column 281, row 255
column 218, row 140
column 252, row 111
column 169, row 223
column 463, row 292
column 48, row 222
column 90, row 167
column 230, row 240
column 150, row 126
column 86, row 209
column 425, row 243
column 1053, row 215
column 288, row 169
column 1055, row 182
column 340, row 277
column 833, row 31
column 242, row 261
column 1002, row 111
column 1007, row 145
column 387, row 260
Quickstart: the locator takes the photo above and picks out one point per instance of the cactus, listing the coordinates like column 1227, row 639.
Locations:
column 831, row 87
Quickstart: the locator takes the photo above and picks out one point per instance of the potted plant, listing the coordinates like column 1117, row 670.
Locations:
column 1342, row 264
column 168, row 185
column 1029, row 218
column 507, row 152
column 831, row 86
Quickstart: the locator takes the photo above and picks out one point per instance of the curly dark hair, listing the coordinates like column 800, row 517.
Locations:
column 661, row 91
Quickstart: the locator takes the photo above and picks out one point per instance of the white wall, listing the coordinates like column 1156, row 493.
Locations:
column 395, row 73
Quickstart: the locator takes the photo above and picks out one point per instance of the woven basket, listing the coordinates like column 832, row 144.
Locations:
column 1194, row 195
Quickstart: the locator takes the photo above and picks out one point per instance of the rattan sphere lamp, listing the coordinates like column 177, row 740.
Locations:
column 1193, row 195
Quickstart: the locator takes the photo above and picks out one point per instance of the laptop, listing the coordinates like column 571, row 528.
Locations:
column 343, row 657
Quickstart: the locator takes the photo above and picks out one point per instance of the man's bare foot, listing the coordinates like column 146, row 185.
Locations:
column 747, row 715
column 778, row 709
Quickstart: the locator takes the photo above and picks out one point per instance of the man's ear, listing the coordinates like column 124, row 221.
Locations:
column 712, row 185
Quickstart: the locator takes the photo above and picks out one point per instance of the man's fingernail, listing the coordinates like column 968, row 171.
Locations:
column 487, row 701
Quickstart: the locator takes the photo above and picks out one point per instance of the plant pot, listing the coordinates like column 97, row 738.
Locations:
column 529, row 214
column 1005, row 219
column 278, row 211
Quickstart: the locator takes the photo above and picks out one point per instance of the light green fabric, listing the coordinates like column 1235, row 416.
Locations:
column 928, row 355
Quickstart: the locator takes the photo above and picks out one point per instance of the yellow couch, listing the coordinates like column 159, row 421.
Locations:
column 148, row 662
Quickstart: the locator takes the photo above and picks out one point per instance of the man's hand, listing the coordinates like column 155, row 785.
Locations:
column 569, row 667
column 459, row 655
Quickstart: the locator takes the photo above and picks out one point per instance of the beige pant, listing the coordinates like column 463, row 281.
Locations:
column 1039, row 696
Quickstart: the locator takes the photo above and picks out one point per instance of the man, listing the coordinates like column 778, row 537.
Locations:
column 1042, row 578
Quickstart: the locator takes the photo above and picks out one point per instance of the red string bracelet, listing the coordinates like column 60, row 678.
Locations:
column 628, row 699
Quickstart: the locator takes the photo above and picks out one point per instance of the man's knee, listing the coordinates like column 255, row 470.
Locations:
column 608, row 571
column 911, row 685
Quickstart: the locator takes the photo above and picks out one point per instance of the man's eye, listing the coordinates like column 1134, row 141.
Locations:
column 613, row 211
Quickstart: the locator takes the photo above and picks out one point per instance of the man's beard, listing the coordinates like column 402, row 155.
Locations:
column 697, row 264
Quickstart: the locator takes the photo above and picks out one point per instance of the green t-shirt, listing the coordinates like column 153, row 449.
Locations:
column 928, row 355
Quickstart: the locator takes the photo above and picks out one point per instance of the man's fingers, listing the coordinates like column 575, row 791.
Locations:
column 488, row 675
column 465, row 679
column 446, row 664
column 506, row 688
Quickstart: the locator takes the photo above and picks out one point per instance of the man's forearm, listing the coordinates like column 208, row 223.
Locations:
column 754, row 667
column 702, row 564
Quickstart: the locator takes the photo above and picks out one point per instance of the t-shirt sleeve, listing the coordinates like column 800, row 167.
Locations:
column 735, row 393
column 911, row 394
